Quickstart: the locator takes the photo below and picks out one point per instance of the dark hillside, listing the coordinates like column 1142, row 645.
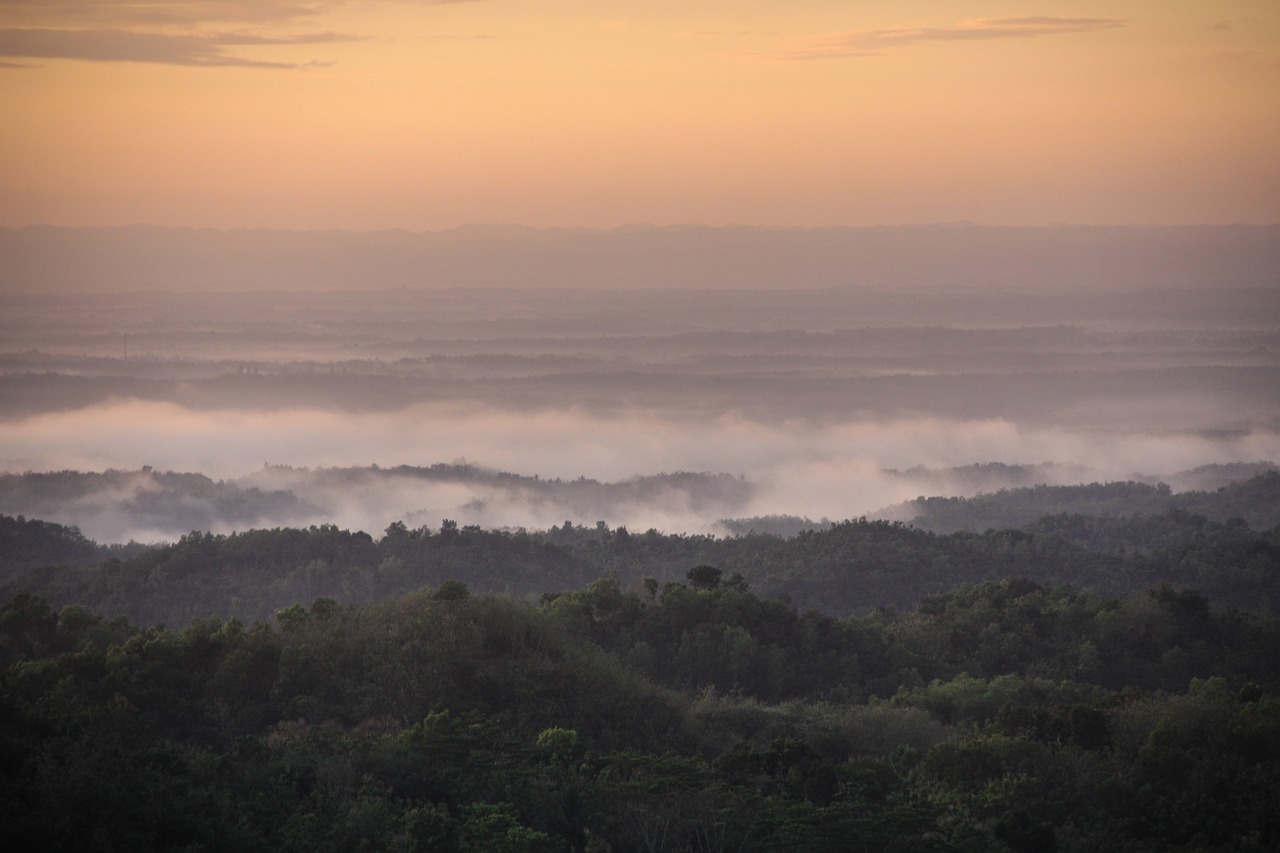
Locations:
column 852, row 567
column 1256, row 500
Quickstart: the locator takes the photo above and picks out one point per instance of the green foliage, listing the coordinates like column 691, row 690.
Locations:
column 451, row 591
column 704, row 577
column 478, row 723
column 645, row 704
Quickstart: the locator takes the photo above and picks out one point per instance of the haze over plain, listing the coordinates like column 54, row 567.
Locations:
column 808, row 399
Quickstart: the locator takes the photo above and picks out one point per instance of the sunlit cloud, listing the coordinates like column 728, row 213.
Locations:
column 861, row 43
column 132, row 46
column 170, row 32
column 159, row 13
column 174, row 13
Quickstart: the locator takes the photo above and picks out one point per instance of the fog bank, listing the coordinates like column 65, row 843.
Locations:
column 797, row 468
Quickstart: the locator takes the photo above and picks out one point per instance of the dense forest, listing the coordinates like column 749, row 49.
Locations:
column 691, row 716
column 1092, row 679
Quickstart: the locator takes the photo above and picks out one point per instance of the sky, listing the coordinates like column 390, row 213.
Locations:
column 373, row 114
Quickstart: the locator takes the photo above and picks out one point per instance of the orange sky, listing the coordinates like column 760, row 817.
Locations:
column 402, row 113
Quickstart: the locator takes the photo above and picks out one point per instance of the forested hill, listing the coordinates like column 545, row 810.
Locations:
column 1092, row 682
column 1255, row 500
column 27, row 543
column 852, row 567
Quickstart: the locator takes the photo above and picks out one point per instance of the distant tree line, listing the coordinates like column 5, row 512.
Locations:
column 1254, row 500
column 848, row 567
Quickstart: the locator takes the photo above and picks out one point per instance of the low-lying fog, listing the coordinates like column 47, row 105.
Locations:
column 795, row 468
column 821, row 403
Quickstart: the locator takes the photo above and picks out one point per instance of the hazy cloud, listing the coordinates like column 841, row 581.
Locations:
column 700, row 34
column 1231, row 23
column 1245, row 60
column 109, row 45
column 859, row 43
